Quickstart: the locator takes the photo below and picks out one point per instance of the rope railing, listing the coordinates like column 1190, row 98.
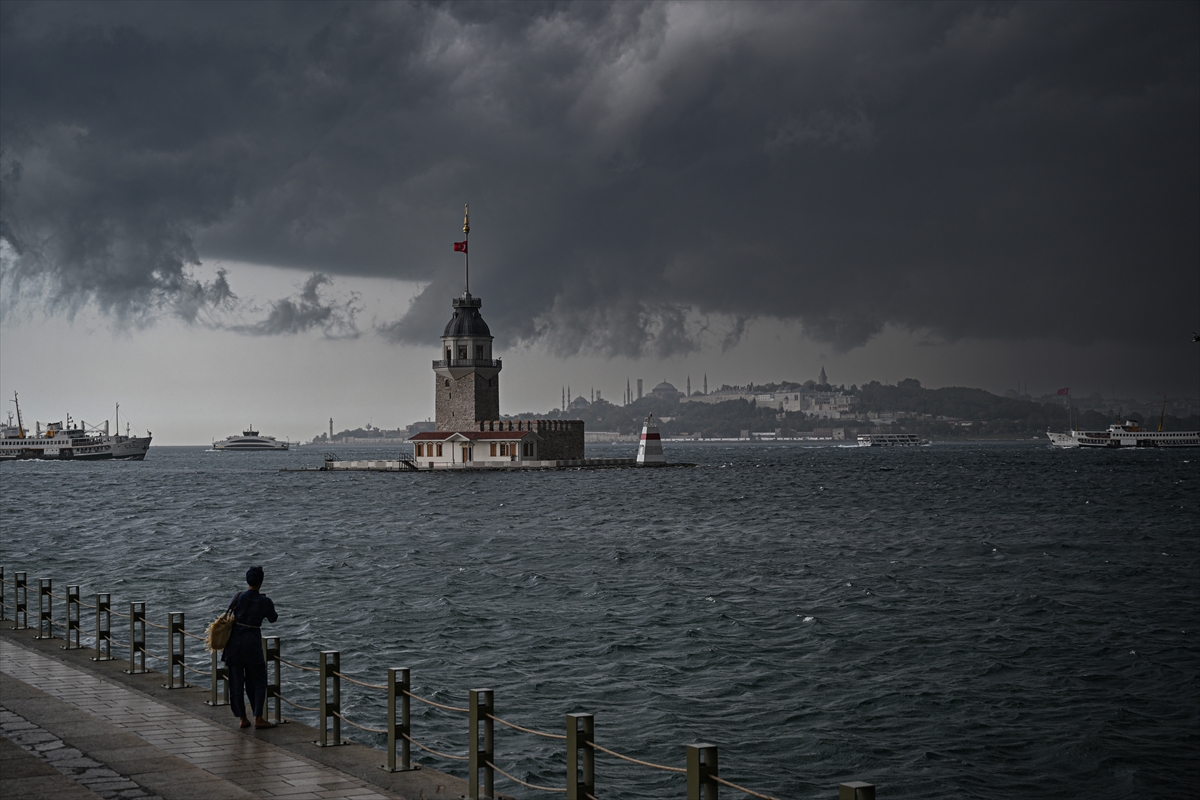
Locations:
column 438, row 753
column 515, row 779
column 633, row 760
column 355, row 724
column 516, row 727
column 438, row 705
column 701, row 770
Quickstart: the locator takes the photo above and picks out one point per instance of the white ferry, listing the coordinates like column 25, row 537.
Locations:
column 889, row 440
column 68, row 442
column 1128, row 435
column 250, row 440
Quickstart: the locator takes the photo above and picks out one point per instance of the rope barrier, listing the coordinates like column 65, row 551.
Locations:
column 438, row 705
column 516, row 727
column 193, row 636
column 355, row 724
column 56, row 596
column 523, row 783
column 198, row 671
column 299, row 666
column 346, row 677
column 152, row 654
column 733, row 785
column 116, row 613
column 156, row 625
column 435, row 752
column 631, row 760
column 297, row 705
column 86, row 605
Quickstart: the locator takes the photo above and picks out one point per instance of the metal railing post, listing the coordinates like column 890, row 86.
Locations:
column 581, row 758
column 399, row 686
column 45, row 610
column 274, row 686
column 20, row 602
column 3, row 595
column 175, row 659
column 480, row 760
column 701, row 767
column 856, row 790
column 137, row 639
column 331, row 700
column 103, row 627
column 219, row 690
column 73, row 619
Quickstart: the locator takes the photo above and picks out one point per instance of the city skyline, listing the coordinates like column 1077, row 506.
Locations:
column 218, row 215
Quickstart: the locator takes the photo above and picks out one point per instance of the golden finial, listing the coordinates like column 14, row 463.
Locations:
column 467, row 218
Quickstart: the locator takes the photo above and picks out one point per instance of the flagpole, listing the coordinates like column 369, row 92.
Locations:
column 466, row 245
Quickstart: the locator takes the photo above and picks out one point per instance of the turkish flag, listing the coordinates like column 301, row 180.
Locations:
column 1060, row 391
column 460, row 247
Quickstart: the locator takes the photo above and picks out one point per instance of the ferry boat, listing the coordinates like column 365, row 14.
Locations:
column 1128, row 435
column 68, row 442
column 250, row 440
column 889, row 440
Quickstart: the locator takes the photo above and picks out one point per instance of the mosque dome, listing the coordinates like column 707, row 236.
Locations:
column 467, row 321
column 664, row 387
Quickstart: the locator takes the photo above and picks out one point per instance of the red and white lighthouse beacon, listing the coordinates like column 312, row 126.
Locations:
column 650, row 447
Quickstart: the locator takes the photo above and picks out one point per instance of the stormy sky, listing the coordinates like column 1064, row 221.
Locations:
column 968, row 194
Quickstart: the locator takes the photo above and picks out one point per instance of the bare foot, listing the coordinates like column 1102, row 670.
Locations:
column 245, row 723
column 260, row 723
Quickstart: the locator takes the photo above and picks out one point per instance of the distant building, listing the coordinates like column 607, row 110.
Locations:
column 639, row 397
column 665, row 391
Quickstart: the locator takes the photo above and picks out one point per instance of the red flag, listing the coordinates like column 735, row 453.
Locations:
column 1060, row 391
column 460, row 247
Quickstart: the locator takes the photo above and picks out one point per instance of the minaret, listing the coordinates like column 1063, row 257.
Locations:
column 331, row 429
column 706, row 383
column 823, row 380
column 689, row 386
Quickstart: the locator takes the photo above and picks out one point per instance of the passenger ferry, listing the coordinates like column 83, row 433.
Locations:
column 1128, row 435
column 250, row 440
column 68, row 442
column 889, row 440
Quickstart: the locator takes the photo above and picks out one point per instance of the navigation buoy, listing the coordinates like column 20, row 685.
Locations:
column 650, row 446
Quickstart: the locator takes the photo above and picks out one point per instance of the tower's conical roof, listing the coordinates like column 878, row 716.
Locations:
column 467, row 321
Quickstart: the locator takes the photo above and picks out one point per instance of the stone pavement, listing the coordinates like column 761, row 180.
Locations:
column 74, row 728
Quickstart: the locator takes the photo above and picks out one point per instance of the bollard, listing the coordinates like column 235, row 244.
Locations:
column 103, row 627
column 175, row 660
column 856, row 790
column 219, row 691
column 482, row 708
column 20, row 602
column 399, row 685
column 701, row 769
column 273, row 654
column 137, row 639
column 45, row 610
column 581, row 758
column 331, row 701
column 73, row 619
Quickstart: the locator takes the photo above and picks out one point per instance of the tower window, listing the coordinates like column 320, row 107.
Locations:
column 462, row 353
column 447, row 380
column 479, row 351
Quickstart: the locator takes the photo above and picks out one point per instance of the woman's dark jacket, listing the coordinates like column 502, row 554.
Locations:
column 245, row 643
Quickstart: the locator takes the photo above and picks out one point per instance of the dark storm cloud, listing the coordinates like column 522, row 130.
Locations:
column 640, row 175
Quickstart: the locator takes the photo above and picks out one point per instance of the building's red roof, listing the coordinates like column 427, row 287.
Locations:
column 441, row 436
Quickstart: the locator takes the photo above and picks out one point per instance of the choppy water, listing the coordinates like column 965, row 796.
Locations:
column 991, row 620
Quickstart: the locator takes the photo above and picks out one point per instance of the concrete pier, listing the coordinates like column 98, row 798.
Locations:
column 74, row 728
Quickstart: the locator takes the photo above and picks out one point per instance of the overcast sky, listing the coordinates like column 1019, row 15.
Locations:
column 225, row 213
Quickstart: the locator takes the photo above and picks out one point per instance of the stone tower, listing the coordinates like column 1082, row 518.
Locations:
column 468, row 378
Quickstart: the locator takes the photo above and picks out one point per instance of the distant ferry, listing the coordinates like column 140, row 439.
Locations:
column 889, row 440
column 250, row 440
column 1128, row 435
column 68, row 442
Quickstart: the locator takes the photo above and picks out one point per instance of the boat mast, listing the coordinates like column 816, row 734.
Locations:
column 1163, row 416
column 20, row 424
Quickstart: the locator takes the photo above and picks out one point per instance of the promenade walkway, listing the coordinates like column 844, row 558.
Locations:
column 73, row 728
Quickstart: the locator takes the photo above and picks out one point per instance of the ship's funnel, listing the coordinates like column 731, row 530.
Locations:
column 650, row 447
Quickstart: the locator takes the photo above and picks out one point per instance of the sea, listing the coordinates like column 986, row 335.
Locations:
column 977, row 619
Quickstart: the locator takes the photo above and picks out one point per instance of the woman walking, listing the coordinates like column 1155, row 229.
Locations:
column 244, row 653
